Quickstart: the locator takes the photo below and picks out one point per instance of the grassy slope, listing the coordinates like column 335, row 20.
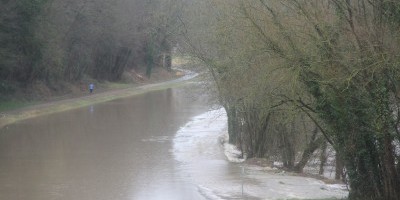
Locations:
column 14, row 111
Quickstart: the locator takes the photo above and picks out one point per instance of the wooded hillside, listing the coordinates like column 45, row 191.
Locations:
column 53, row 42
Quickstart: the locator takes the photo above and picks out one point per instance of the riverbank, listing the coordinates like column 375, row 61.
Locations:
column 201, row 145
column 108, row 92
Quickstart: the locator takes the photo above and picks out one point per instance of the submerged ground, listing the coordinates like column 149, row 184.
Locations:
column 162, row 143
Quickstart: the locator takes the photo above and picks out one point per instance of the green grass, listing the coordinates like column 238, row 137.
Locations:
column 112, row 85
column 7, row 105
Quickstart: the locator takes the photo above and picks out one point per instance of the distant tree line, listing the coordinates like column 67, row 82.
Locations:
column 64, row 41
column 297, row 75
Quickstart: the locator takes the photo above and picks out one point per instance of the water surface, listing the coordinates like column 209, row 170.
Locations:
column 163, row 145
column 115, row 150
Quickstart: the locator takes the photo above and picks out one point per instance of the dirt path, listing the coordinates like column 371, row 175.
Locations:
column 13, row 116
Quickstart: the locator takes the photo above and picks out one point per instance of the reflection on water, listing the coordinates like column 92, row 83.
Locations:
column 116, row 150
column 91, row 109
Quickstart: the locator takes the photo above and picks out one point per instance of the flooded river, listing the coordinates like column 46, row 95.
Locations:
column 162, row 145
column 116, row 150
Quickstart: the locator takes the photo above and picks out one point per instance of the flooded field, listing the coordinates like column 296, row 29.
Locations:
column 159, row 145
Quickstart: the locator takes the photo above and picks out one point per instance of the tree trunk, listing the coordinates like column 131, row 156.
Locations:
column 232, row 124
column 390, row 180
column 322, row 158
column 339, row 173
column 314, row 144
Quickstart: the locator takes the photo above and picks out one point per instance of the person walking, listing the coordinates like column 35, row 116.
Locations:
column 91, row 88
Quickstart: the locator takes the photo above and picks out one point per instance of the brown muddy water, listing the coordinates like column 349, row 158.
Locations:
column 115, row 150
column 163, row 145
